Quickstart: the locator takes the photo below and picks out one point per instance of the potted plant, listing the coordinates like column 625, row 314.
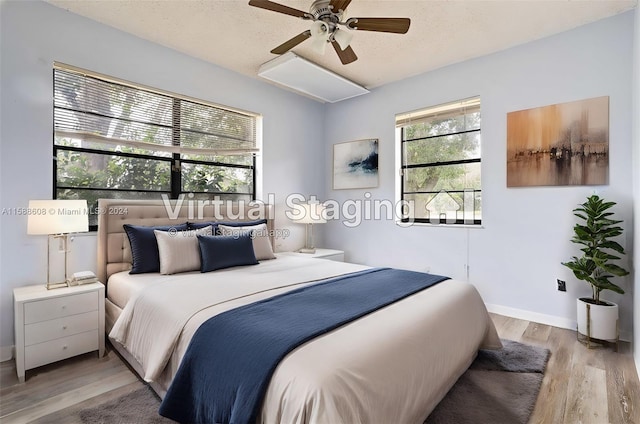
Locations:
column 596, row 266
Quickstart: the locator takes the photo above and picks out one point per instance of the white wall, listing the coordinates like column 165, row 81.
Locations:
column 515, row 259
column 33, row 36
column 636, row 184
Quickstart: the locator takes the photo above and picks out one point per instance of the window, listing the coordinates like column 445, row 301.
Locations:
column 113, row 139
column 440, row 163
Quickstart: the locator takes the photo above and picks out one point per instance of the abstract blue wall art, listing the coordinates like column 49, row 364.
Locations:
column 355, row 164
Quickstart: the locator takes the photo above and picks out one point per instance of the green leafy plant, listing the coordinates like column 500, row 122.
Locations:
column 595, row 234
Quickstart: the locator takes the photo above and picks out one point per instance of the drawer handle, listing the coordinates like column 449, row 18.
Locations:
column 64, row 347
column 64, row 327
column 64, row 306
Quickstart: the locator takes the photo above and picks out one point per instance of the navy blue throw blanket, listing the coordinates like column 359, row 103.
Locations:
column 228, row 365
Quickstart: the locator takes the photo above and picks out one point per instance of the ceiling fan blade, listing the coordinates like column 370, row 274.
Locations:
column 347, row 55
column 275, row 7
column 337, row 5
column 395, row 25
column 288, row 45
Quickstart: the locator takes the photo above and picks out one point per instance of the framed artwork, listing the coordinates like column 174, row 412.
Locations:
column 355, row 164
column 559, row 145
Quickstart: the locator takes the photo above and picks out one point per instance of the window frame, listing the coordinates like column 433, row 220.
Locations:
column 174, row 159
column 403, row 167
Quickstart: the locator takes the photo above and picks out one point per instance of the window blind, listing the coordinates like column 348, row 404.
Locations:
column 443, row 111
column 111, row 114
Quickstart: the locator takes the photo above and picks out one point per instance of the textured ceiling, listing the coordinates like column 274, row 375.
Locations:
column 236, row 36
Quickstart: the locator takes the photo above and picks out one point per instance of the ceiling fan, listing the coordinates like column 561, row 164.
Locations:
column 328, row 26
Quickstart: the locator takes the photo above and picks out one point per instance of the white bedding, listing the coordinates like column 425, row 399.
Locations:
column 393, row 365
column 123, row 286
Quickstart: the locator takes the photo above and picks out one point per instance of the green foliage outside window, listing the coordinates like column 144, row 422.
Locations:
column 442, row 156
column 115, row 140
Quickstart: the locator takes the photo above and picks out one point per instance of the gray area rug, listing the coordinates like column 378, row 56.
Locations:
column 138, row 407
column 500, row 387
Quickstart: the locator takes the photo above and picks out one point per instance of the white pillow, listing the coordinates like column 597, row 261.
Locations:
column 179, row 251
column 260, row 237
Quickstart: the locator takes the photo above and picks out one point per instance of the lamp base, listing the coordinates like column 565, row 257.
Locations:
column 60, row 285
column 307, row 250
column 64, row 243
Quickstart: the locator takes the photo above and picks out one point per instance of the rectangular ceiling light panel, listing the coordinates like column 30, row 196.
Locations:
column 299, row 74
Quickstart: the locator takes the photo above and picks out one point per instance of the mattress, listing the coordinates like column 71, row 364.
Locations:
column 393, row 365
column 123, row 286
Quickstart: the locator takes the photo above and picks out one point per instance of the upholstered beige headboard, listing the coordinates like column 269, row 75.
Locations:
column 114, row 252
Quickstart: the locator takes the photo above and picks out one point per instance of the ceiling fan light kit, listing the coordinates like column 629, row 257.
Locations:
column 319, row 45
column 319, row 37
column 343, row 38
column 327, row 17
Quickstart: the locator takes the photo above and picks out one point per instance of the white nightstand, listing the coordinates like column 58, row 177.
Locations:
column 51, row 325
column 331, row 254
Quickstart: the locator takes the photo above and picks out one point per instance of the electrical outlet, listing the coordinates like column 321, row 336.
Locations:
column 562, row 285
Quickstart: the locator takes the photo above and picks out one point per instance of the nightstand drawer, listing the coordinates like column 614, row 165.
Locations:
column 56, row 350
column 58, row 307
column 60, row 327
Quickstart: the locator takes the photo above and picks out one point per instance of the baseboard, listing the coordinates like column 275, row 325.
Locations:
column 6, row 353
column 532, row 316
column 543, row 318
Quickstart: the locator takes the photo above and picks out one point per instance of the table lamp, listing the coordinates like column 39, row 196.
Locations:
column 56, row 219
column 313, row 214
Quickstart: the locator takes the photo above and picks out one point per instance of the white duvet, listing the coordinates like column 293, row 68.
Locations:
column 394, row 365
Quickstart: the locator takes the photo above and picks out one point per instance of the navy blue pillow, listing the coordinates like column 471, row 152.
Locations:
column 218, row 252
column 199, row 225
column 242, row 223
column 144, row 246
column 214, row 224
column 238, row 224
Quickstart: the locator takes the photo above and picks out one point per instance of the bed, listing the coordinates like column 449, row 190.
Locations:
column 392, row 365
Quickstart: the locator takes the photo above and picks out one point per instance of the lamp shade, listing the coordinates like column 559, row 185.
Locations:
column 311, row 213
column 319, row 30
column 343, row 38
column 319, row 45
column 319, row 37
column 57, row 217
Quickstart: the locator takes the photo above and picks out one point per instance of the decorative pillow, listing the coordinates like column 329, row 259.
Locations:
column 259, row 234
column 218, row 252
column 179, row 251
column 144, row 248
column 199, row 225
column 242, row 223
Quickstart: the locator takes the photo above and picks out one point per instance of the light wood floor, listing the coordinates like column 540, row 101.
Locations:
column 580, row 386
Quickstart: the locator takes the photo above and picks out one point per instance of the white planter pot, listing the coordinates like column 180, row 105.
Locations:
column 604, row 320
